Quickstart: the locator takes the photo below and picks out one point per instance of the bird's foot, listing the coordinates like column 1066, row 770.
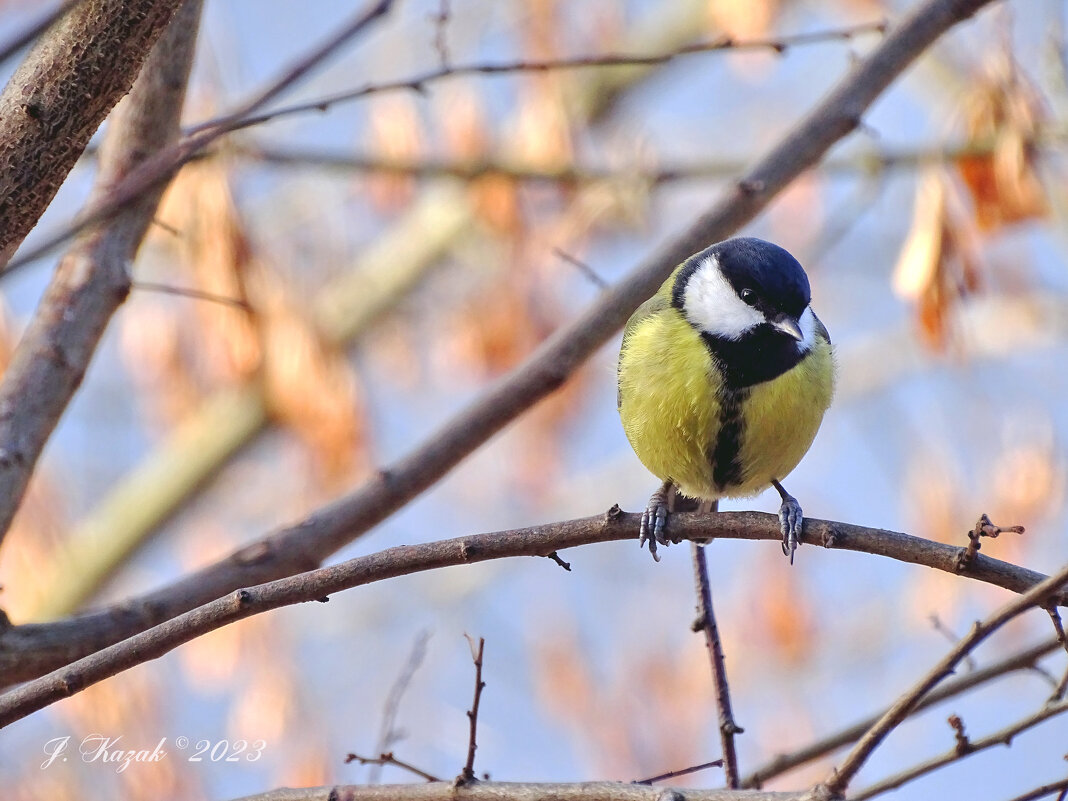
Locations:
column 790, row 521
column 654, row 518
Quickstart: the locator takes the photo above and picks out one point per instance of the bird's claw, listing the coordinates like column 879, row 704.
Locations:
column 653, row 528
column 790, row 523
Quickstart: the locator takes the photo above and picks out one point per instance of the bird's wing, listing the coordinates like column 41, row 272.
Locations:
column 821, row 329
column 655, row 305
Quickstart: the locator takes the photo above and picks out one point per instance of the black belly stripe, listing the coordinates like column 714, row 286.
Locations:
column 725, row 452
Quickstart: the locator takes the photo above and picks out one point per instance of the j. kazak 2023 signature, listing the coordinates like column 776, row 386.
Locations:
column 105, row 750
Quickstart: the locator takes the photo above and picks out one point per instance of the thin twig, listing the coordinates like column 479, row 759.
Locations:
column 1058, row 626
column 674, row 774
column 983, row 528
column 1061, row 688
column 839, row 779
column 195, row 294
column 418, row 83
column 389, row 759
column 1024, row 660
column 467, row 775
column 203, row 135
column 441, row 25
column 588, row 272
column 556, row 558
column 302, row 67
column 945, row 631
column 873, row 162
column 387, row 732
column 706, row 622
column 960, row 736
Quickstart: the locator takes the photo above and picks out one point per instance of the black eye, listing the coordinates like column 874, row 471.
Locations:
column 749, row 296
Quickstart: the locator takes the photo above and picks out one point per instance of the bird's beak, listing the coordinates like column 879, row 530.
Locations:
column 788, row 325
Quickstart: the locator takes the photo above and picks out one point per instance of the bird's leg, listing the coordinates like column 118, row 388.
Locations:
column 706, row 507
column 654, row 518
column 790, row 521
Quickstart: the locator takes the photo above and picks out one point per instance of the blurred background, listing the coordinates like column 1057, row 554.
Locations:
column 400, row 253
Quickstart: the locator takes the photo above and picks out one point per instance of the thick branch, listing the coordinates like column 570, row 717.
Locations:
column 92, row 280
column 58, row 97
column 406, row 559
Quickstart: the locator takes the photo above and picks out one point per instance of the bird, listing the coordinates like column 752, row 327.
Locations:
column 724, row 376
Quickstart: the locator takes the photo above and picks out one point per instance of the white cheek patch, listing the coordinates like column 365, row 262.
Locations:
column 712, row 305
column 808, row 329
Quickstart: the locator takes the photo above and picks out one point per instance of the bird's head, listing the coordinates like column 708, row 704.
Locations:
column 743, row 288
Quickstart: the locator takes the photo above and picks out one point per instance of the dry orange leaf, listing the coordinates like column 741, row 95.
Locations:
column 396, row 134
column 939, row 262
column 1005, row 109
column 310, row 386
column 462, row 116
column 213, row 246
column 743, row 19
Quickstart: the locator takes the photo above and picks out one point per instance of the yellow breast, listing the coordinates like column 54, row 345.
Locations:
column 671, row 405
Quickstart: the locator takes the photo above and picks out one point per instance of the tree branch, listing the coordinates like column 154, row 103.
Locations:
column 706, row 622
column 1003, row 737
column 1023, row 660
column 92, row 280
column 467, row 774
column 163, row 165
column 871, row 161
column 542, row 540
column 840, row 777
column 419, row 82
column 514, row 791
column 58, row 96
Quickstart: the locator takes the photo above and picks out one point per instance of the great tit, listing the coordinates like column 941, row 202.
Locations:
column 724, row 377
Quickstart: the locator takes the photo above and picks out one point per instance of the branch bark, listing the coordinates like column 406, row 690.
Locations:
column 515, row 791
column 16, row 642
column 92, row 279
column 58, row 97
column 706, row 623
